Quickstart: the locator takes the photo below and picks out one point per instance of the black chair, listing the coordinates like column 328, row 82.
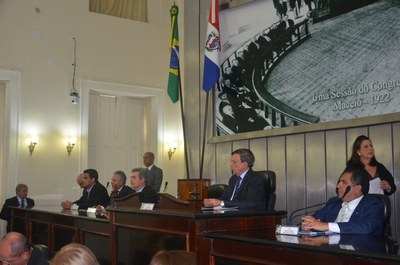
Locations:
column 215, row 191
column 270, row 187
column 44, row 249
column 387, row 229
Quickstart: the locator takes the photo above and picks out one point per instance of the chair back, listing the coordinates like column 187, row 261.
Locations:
column 270, row 187
column 44, row 249
column 215, row 191
column 387, row 229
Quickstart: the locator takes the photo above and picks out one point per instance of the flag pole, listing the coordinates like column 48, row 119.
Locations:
column 211, row 66
column 183, row 122
column 174, row 78
column 204, row 135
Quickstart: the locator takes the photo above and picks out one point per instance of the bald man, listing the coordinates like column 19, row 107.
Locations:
column 155, row 174
column 15, row 249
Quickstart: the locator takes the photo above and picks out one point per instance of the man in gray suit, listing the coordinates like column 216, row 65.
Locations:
column 154, row 174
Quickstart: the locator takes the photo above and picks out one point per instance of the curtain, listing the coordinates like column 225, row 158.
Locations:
column 132, row 9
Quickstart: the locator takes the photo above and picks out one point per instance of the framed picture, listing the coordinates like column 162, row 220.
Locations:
column 295, row 66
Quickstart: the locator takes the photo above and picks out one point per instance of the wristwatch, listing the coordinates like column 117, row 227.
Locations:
column 222, row 204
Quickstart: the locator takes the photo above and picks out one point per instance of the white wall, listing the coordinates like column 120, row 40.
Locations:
column 37, row 42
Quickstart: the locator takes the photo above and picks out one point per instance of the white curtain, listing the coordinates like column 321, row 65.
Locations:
column 132, row 9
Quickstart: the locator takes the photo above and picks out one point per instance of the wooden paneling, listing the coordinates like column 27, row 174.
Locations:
column 315, row 168
column 308, row 165
column 296, row 186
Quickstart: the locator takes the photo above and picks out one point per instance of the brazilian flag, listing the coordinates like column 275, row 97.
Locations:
column 173, row 79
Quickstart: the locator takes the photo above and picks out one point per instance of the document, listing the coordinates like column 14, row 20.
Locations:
column 375, row 186
column 315, row 233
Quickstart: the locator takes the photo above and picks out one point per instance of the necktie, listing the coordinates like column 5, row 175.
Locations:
column 237, row 185
column 344, row 213
column 23, row 203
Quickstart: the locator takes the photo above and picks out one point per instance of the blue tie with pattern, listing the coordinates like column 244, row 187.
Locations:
column 237, row 185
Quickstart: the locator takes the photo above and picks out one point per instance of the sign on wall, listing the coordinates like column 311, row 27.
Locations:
column 290, row 63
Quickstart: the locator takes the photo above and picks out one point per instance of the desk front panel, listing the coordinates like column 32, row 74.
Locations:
column 265, row 248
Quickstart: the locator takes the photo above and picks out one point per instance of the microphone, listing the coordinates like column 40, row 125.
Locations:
column 292, row 215
column 347, row 190
column 165, row 186
column 108, row 184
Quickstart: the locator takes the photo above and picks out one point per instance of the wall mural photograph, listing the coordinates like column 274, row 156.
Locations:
column 294, row 62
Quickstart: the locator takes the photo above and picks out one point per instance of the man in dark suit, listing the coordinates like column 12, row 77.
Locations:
column 246, row 188
column 118, row 181
column 353, row 211
column 138, row 184
column 155, row 174
column 94, row 192
column 15, row 249
column 20, row 200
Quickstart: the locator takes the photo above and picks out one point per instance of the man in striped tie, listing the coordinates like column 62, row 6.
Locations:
column 246, row 188
column 20, row 200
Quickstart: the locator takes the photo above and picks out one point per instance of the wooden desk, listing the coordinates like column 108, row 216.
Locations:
column 133, row 236
column 54, row 227
column 264, row 247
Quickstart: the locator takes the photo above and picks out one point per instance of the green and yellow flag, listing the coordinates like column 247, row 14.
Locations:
column 173, row 79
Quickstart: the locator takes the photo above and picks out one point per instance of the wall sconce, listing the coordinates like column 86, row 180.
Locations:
column 171, row 152
column 33, row 142
column 70, row 145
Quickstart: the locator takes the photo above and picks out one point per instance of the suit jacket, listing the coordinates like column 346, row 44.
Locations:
column 148, row 195
column 6, row 212
column 98, row 196
column 251, row 193
column 154, row 178
column 367, row 218
column 125, row 191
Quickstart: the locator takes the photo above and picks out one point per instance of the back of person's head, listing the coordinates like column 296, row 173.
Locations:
column 174, row 257
column 245, row 156
column 92, row 173
column 17, row 242
column 74, row 254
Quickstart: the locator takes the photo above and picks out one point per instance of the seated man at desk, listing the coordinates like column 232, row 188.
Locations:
column 353, row 211
column 94, row 192
column 118, row 181
column 20, row 200
column 246, row 188
column 138, row 184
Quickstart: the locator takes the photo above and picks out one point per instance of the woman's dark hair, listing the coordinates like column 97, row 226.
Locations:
column 354, row 160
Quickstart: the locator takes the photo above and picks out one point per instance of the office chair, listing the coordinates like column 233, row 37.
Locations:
column 387, row 229
column 44, row 249
column 270, row 187
column 215, row 191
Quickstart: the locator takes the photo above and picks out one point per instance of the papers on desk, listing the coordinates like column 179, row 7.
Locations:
column 295, row 231
column 375, row 186
column 315, row 233
column 219, row 209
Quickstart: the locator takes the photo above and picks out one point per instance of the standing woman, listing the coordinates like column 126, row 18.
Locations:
column 363, row 157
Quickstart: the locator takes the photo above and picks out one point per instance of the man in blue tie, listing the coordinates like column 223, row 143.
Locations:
column 20, row 200
column 246, row 188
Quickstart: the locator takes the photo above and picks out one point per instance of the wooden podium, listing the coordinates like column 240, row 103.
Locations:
column 192, row 189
